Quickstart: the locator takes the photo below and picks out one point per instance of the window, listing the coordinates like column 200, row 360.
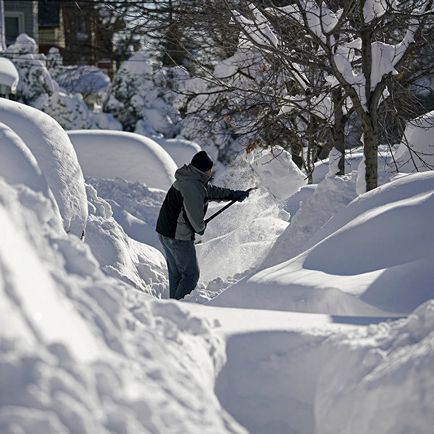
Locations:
column 14, row 25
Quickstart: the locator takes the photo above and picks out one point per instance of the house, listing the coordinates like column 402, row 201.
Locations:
column 20, row 17
column 51, row 26
column 74, row 27
column 88, row 41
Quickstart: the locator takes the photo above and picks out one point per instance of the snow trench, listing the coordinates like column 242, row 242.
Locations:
column 307, row 381
column 268, row 383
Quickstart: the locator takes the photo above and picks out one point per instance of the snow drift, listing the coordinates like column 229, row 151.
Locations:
column 375, row 255
column 19, row 166
column 82, row 352
column 56, row 158
column 117, row 154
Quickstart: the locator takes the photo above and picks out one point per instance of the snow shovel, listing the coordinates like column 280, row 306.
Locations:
column 226, row 207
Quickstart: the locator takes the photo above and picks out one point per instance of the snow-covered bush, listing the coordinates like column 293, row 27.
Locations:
column 142, row 98
column 63, row 92
column 35, row 79
column 69, row 110
column 84, row 79
column 72, row 113
column 416, row 152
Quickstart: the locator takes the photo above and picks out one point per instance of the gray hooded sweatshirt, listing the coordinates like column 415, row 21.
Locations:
column 184, row 208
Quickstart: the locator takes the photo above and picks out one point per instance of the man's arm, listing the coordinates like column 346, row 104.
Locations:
column 194, row 198
column 218, row 193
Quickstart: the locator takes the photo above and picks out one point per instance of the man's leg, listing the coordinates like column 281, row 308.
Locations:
column 186, row 263
column 174, row 274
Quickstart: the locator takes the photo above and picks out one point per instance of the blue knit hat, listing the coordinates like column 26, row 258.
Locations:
column 202, row 161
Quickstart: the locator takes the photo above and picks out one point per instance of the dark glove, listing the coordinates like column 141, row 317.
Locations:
column 239, row 195
column 202, row 232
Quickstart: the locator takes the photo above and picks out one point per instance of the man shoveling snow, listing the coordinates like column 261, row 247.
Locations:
column 182, row 216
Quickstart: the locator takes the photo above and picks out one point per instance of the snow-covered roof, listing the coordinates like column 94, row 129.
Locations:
column 8, row 74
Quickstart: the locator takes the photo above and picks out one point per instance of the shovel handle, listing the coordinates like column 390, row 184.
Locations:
column 226, row 207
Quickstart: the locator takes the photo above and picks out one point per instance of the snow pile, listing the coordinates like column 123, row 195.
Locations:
column 311, row 373
column 388, row 271
column 328, row 198
column 387, row 379
column 56, row 158
column 135, row 207
column 19, row 166
column 353, row 158
column 117, row 154
column 416, row 152
column 81, row 352
column 141, row 266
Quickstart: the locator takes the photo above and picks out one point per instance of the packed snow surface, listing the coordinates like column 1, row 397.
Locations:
column 129, row 156
column 56, row 157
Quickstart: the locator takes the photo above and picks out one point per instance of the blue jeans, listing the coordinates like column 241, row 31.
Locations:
column 182, row 265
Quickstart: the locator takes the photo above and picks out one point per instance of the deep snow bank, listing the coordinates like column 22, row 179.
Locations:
column 316, row 209
column 374, row 254
column 19, row 166
column 141, row 266
column 56, row 158
column 81, row 352
column 135, row 207
column 381, row 382
column 118, row 154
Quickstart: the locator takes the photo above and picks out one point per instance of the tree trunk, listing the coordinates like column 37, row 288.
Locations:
column 338, row 129
column 371, row 154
